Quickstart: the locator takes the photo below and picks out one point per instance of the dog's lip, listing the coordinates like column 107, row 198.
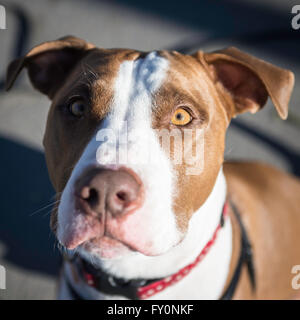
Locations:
column 107, row 241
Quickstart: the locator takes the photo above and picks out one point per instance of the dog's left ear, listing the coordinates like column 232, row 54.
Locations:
column 248, row 80
column 49, row 63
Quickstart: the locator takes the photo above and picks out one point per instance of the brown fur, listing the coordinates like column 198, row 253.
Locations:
column 269, row 203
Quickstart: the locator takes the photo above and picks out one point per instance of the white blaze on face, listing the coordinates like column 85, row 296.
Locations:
column 152, row 228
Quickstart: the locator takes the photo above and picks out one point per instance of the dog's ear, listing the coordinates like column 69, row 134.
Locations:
column 248, row 80
column 49, row 63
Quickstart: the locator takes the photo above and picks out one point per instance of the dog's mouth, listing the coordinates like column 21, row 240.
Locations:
column 107, row 247
column 116, row 238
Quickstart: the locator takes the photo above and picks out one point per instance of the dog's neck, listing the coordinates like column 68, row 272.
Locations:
column 207, row 280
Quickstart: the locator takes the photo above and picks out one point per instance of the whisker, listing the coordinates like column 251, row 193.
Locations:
column 47, row 213
column 45, row 207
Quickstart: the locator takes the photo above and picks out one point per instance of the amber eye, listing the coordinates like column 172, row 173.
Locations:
column 181, row 117
column 77, row 108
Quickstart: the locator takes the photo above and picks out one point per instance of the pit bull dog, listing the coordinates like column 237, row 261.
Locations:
column 163, row 228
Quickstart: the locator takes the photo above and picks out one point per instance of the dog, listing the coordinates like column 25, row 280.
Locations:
column 162, row 229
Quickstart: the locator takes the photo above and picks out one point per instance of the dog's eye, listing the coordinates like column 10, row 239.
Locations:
column 181, row 117
column 77, row 108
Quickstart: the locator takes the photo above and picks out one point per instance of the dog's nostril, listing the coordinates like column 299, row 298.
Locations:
column 122, row 195
column 90, row 195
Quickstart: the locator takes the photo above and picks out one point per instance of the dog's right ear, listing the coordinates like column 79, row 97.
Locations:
column 49, row 63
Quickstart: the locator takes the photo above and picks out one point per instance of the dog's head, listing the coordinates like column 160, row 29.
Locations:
column 135, row 141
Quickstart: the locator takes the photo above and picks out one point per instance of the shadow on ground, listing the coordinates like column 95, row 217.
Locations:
column 25, row 187
column 260, row 25
column 292, row 157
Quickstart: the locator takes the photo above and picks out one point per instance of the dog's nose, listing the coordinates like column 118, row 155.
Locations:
column 106, row 191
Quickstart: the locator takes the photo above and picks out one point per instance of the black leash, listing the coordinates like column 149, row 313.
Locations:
column 246, row 257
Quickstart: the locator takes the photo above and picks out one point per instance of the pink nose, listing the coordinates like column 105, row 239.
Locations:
column 102, row 192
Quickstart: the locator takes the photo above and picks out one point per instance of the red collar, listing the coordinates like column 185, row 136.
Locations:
column 138, row 289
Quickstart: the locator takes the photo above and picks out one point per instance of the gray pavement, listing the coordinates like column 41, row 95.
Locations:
column 27, row 248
